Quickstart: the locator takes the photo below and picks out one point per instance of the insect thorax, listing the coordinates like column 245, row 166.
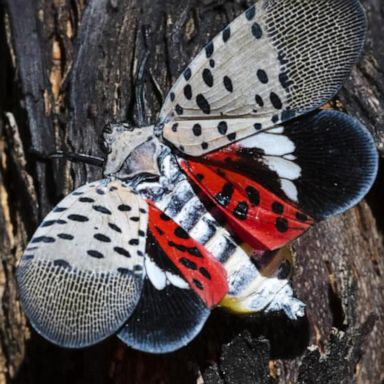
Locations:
column 140, row 159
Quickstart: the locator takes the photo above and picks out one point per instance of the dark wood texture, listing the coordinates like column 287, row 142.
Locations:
column 67, row 68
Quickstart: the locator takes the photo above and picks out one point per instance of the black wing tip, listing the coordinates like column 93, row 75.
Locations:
column 339, row 162
column 164, row 321
column 370, row 154
column 163, row 346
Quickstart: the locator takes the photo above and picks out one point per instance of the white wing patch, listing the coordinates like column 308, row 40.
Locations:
column 278, row 156
column 160, row 278
column 262, row 70
column 81, row 275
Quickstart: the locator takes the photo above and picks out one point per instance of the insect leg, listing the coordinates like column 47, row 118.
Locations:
column 70, row 156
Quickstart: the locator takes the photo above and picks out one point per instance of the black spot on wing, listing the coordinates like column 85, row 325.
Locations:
column 222, row 128
column 275, row 100
column 78, row 218
column 122, row 251
column 203, row 104
column 159, row 230
column 65, row 236
column 228, row 83
column 62, row 264
column 226, row 34
column 95, row 254
column 208, row 77
column 198, row 284
column 48, row 223
column 101, row 209
column 32, row 248
column 277, row 208
column 282, row 225
column 180, row 233
column 197, row 130
column 114, row 227
column 187, row 74
column 43, row 239
column 250, row 13
column 60, row 209
column 179, row 109
column 232, row 136
column 86, row 200
column 188, row 263
column 124, row 208
column 262, row 76
column 102, row 238
column 275, row 119
column 257, row 32
column 182, row 248
column 134, row 242
column 259, row 101
column 164, row 217
column 241, row 210
column 224, row 197
column 209, row 48
column 188, row 92
column 205, row 273
column 253, row 195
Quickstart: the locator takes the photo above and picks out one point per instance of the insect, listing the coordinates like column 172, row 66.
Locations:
column 193, row 208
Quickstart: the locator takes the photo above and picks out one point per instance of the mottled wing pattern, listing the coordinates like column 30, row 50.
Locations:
column 205, row 275
column 81, row 275
column 278, row 60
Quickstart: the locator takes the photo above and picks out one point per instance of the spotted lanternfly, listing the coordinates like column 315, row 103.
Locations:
column 238, row 164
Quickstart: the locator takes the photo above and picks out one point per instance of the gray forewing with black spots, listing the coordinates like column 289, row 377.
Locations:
column 277, row 61
column 86, row 256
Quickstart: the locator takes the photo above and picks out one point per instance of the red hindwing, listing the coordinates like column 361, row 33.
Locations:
column 205, row 275
column 255, row 214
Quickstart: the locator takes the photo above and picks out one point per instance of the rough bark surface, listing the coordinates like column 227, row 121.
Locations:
column 67, row 67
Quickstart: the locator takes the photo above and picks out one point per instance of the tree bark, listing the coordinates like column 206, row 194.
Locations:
column 69, row 67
